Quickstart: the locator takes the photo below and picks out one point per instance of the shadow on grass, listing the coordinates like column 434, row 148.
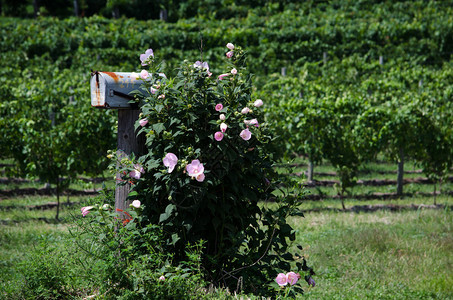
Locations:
column 375, row 196
column 379, row 207
column 43, row 192
column 49, row 205
column 40, row 219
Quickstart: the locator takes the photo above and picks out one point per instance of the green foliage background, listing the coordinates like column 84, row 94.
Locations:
column 336, row 103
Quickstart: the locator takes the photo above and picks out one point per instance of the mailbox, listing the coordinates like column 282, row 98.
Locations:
column 111, row 89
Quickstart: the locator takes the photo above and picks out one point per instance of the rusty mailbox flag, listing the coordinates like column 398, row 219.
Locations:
column 111, row 89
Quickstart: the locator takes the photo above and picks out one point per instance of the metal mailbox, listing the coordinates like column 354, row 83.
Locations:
column 111, row 89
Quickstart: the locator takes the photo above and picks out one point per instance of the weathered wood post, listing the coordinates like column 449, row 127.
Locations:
column 111, row 90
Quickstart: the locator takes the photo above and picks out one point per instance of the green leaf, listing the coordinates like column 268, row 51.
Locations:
column 168, row 211
column 158, row 128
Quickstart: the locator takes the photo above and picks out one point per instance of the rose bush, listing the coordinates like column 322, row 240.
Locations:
column 206, row 169
column 126, row 255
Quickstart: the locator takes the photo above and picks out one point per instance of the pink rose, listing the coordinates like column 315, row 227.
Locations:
column 222, row 117
column 144, row 74
column 230, row 46
column 234, row 71
column 292, row 278
column 219, row 107
column 245, row 110
column 170, row 160
column 281, row 279
column 246, row 134
column 229, row 54
column 152, row 90
column 85, row 210
column 202, row 65
column 136, row 173
column 252, row 122
column 143, row 122
column 258, row 103
column 145, row 56
column 161, row 96
column 195, row 169
column 136, row 203
column 200, row 178
column 222, row 76
column 162, row 278
column 223, row 127
column 218, row 136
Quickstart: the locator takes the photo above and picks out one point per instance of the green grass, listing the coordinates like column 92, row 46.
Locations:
column 380, row 255
column 406, row 254
column 17, row 241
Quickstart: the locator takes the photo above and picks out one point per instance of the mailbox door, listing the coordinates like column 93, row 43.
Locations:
column 111, row 89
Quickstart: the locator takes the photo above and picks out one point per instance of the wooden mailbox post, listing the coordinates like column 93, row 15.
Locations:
column 111, row 90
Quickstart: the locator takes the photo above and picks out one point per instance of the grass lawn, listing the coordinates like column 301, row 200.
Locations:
column 379, row 254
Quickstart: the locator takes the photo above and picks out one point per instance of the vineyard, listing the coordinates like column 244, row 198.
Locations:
column 358, row 96
column 376, row 81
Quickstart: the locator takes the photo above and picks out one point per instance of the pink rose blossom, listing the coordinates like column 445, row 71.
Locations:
column 170, row 160
column 230, row 46
column 197, row 64
column 223, row 127
column 222, row 76
column 281, row 279
column 202, row 65
column 222, row 117
column 136, row 173
column 229, row 54
column 144, row 74
column 246, row 134
column 85, row 210
column 161, row 96
column 162, row 278
column 292, row 278
column 258, row 103
column 252, row 122
column 153, row 90
column 219, row 107
column 195, row 169
column 145, row 56
column 234, row 71
column 245, row 110
column 200, row 178
column 143, row 122
column 136, row 203
column 218, row 136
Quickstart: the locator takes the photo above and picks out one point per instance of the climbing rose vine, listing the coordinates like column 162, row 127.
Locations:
column 206, row 168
